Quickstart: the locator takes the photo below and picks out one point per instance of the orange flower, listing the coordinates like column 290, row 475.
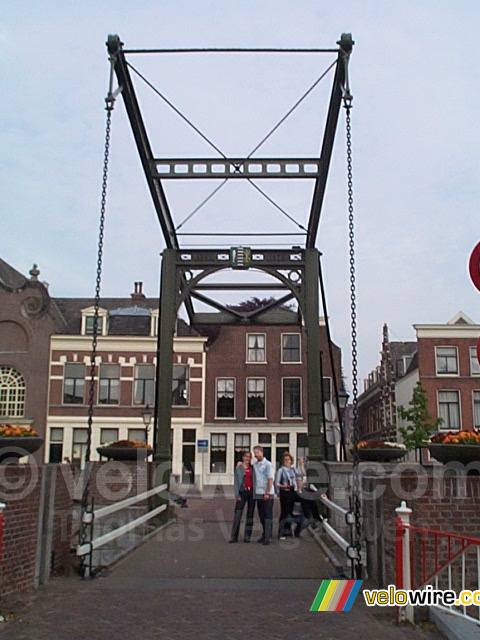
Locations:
column 9, row 431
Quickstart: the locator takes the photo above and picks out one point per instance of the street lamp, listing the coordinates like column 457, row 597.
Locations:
column 343, row 399
column 147, row 418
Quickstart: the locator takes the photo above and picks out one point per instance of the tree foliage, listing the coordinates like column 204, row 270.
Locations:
column 418, row 419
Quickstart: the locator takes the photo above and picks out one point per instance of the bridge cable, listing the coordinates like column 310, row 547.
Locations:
column 83, row 529
column 356, row 556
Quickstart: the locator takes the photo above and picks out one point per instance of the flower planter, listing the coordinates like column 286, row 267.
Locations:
column 464, row 453
column 18, row 447
column 381, row 454
column 124, row 453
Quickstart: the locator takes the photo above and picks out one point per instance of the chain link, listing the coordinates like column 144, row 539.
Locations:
column 83, row 531
column 357, row 562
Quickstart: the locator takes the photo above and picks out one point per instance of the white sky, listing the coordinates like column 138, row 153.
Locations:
column 416, row 144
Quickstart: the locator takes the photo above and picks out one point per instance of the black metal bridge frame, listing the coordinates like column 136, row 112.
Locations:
column 183, row 270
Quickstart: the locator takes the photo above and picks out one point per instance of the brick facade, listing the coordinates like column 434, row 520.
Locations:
column 37, row 525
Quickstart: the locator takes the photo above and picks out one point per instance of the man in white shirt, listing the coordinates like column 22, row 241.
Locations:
column 264, row 492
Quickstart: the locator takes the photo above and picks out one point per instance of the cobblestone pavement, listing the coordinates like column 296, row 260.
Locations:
column 188, row 582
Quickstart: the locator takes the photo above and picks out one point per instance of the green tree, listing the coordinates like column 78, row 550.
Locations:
column 418, row 419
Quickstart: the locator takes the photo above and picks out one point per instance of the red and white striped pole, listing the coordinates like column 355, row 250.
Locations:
column 402, row 558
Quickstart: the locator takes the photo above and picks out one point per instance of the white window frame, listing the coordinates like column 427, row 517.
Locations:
column 300, row 417
column 109, row 404
column 264, row 361
column 217, row 417
column 247, row 417
column 70, row 404
column 13, row 392
column 446, row 373
column 474, row 350
column 473, row 408
column 291, row 333
column 136, row 379
column 102, row 318
column 212, row 436
column 444, row 427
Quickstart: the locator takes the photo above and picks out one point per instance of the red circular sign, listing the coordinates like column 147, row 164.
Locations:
column 474, row 266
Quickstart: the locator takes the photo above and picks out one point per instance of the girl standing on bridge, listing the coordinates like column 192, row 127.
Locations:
column 244, row 491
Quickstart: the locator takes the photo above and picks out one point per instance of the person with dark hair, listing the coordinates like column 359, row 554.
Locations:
column 244, row 484
column 264, row 493
column 286, row 485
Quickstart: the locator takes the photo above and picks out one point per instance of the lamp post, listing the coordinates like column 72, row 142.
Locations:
column 147, row 414
column 342, row 398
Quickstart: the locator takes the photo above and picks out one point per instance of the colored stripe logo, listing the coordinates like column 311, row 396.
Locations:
column 336, row 595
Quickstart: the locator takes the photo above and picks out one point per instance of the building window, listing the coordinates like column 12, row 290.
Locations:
column 79, row 447
column 109, row 385
column 447, row 360
column 449, row 409
column 327, row 389
column 12, row 393
column 137, row 435
column 402, row 365
column 108, row 435
column 291, row 398
column 302, row 446
column 474, row 364
column 256, row 347
column 218, row 453
column 144, row 385
column 265, row 441
column 255, row 397
column 74, row 383
column 291, row 347
column 476, row 409
column 56, row 445
column 180, row 385
column 89, row 323
column 225, row 398
column 242, row 444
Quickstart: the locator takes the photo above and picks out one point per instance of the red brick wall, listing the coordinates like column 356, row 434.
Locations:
column 20, row 492
column 446, row 504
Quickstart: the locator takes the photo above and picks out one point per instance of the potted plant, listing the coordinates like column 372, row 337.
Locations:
column 125, row 450
column 17, row 441
column 380, row 450
column 456, row 446
column 419, row 422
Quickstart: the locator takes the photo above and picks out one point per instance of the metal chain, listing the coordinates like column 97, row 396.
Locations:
column 91, row 398
column 357, row 562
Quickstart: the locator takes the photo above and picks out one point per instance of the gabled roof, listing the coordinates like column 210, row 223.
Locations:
column 460, row 318
column 10, row 278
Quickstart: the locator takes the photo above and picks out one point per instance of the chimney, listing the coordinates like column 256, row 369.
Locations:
column 138, row 294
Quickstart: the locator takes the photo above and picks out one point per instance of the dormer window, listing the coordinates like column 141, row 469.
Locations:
column 88, row 318
column 154, row 323
column 89, row 325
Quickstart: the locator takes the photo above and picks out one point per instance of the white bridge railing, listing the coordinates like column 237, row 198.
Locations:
column 91, row 517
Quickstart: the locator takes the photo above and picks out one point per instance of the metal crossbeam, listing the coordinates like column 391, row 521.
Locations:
column 235, row 168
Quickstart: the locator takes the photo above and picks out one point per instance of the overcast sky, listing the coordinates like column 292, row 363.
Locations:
column 414, row 77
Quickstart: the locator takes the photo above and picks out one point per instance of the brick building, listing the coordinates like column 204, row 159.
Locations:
column 444, row 359
column 256, row 391
column 449, row 370
column 28, row 317
column 377, row 416
column 124, row 377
